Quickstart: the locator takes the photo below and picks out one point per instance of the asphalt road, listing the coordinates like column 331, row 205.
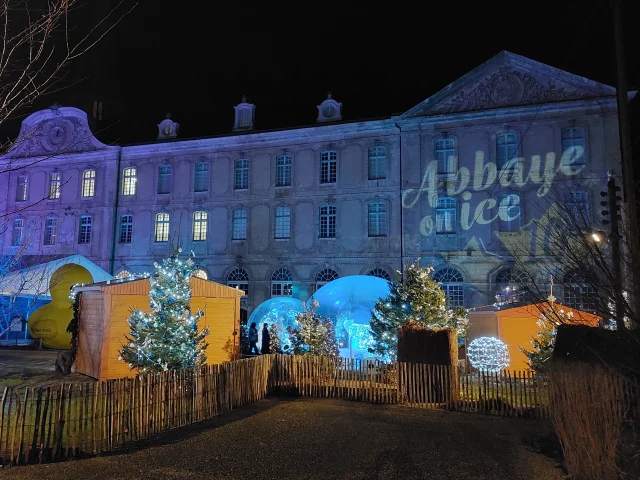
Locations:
column 323, row 439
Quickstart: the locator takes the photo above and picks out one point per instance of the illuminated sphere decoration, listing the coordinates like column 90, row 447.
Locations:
column 488, row 354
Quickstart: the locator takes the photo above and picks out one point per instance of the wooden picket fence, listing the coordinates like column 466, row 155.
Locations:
column 51, row 423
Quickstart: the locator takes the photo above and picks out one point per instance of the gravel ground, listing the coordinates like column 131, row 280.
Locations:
column 323, row 439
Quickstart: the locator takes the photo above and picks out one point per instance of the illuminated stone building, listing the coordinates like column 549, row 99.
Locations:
column 456, row 181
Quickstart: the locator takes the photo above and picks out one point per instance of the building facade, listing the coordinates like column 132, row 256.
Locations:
column 460, row 181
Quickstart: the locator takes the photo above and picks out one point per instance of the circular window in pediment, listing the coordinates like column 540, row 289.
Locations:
column 329, row 111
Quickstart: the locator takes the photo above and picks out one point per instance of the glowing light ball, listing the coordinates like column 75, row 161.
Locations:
column 279, row 310
column 488, row 354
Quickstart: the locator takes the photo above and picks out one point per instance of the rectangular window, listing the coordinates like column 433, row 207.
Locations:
column 241, row 174
column 446, row 215
column 54, row 186
column 283, row 222
column 199, row 226
column 129, row 177
column 126, row 228
column 328, row 221
column 577, row 208
column 445, row 154
column 455, row 295
column 201, row 178
column 377, row 163
column 509, row 213
column 573, row 146
column 164, row 179
column 50, row 231
column 22, row 191
column 328, row 166
column 283, row 170
column 239, row 224
column 506, row 149
column 377, row 219
column 162, row 227
column 84, row 235
column 18, row 232
column 88, row 183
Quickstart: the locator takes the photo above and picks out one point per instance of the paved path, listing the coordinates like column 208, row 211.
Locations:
column 322, row 439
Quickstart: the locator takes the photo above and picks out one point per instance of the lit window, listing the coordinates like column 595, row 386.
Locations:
column 283, row 170
column 84, row 235
column 377, row 163
column 199, row 226
column 164, row 179
column 129, row 181
column 241, row 174
column 88, row 183
column 239, row 278
column 377, row 219
column 509, row 213
column 446, row 215
column 445, row 154
column 380, row 273
column 126, row 228
column 201, row 178
column 22, row 191
column 18, row 232
column 162, row 227
column 54, row 186
column 506, row 149
column 239, row 224
column 50, row 231
column 328, row 166
column 328, row 221
column 282, row 222
column 281, row 283
column 573, row 138
column 451, row 283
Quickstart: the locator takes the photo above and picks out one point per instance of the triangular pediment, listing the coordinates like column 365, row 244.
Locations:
column 509, row 80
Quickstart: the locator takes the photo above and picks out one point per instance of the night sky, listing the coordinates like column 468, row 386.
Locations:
column 377, row 59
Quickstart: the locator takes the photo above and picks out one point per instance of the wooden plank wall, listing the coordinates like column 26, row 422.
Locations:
column 90, row 333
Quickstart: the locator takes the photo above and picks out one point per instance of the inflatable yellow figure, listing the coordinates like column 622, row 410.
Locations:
column 50, row 321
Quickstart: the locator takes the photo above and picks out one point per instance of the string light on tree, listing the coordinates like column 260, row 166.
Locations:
column 488, row 354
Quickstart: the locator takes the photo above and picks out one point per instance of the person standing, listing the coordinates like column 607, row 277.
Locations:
column 266, row 340
column 253, row 339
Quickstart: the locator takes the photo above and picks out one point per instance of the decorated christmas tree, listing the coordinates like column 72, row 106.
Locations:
column 166, row 338
column 418, row 298
column 313, row 334
column 274, row 340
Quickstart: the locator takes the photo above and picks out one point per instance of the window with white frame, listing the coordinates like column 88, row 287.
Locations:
column 54, row 186
column 17, row 237
column 201, row 177
column 88, row 183
column 579, row 293
column 282, row 222
column 164, row 179
column 162, row 227
column 323, row 277
column 84, row 234
column 281, row 283
column 22, row 190
column 377, row 219
column 506, row 149
column 50, row 231
column 573, row 138
column 283, row 170
column 129, row 177
column 201, row 273
column 328, row 166
column 377, row 162
column 241, row 174
column 451, row 283
column 239, row 224
column 328, row 221
column 509, row 213
column 199, row 226
column 123, row 274
column 126, row 228
column 380, row 273
column 576, row 203
column 513, row 286
column 238, row 278
column 446, row 215
column 445, row 154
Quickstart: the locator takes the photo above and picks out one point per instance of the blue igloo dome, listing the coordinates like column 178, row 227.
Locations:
column 279, row 310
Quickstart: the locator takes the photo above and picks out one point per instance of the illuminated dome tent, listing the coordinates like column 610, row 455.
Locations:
column 279, row 310
column 348, row 301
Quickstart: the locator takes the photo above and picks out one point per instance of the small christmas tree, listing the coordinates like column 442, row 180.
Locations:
column 313, row 335
column 417, row 297
column 274, row 339
column 166, row 338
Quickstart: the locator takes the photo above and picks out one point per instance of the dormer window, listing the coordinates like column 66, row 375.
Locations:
column 167, row 128
column 329, row 110
column 245, row 114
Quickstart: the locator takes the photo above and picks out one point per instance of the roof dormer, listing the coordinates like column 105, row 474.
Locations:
column 329, row 110
column 167, row 128
column 245, row 113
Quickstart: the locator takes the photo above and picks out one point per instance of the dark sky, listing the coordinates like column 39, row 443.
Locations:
column 376, row 58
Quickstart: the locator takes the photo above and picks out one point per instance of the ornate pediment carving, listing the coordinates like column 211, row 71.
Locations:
column 55, row 131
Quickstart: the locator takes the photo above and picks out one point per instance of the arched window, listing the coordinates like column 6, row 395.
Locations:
column 201, row 273
column 88, row 183
column 380, row 273
column 324, row 276
column 513, row 285
column 506, row 149
column 328, row 221
column 281, row 283
column 451, row 280
column 446, row 215
column 238, row 278
column 578, row 293
column 377, row 219
column 123, row 274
